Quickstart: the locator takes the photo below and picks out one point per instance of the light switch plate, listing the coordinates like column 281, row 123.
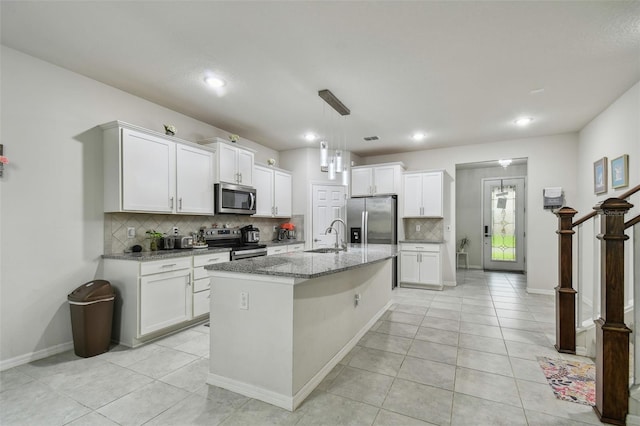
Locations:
column 131, row 232
column 244, row 300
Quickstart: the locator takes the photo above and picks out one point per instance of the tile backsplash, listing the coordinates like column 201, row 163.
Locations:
column 430, row 229
column 116, row 224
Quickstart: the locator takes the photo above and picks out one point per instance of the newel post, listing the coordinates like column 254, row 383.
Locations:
column 565, row 293
column 612, row 334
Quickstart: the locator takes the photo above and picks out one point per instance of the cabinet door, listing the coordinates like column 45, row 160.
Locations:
column 227, row 163
column 430, row 268
column 384, row 180
column 409, row 268
column 282, row 193
column 295, row 247
column 361, row 181
column 276, row 250
column 165, row 300
column 245, row 167
column 412, row 195
column 432, row 194
column 264, row 191
column 194, row 180
column 148, row 173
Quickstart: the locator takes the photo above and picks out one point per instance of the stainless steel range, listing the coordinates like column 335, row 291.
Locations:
column 232, row 238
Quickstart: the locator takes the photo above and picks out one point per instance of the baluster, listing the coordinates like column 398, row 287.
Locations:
column 612, row 334
column 565, row 293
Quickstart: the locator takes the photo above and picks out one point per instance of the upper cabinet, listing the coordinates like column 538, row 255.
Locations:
column 273, row 189
column 376, row 179
column 423, row 194
column 145, row 171
column 235, row 163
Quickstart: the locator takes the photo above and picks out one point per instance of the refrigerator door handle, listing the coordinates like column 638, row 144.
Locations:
column 366, row 227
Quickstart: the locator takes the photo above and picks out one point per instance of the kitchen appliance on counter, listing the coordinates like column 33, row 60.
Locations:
column 374, row 220
column 183, row 242
column 236, row 199
column 167, row 242
column 287, row 232
column 250, row 234
column 232, row 238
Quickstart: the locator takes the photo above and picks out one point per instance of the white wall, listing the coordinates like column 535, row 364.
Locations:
column 551, row 161
column 51, row 222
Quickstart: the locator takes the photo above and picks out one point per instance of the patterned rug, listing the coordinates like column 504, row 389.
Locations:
column 570, row 380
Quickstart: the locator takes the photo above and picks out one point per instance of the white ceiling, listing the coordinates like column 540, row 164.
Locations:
column 459, row 71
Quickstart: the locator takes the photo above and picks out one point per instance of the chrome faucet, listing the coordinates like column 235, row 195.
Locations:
column 342, row 246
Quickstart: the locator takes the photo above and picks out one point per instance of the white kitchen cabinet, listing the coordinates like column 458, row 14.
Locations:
column 235, row 164
column 281, row 249
column 420, row 265
column 146, row 171
column 201, row 281
column 165, row 300
column 376, row 179
column 423, row 194
column 291, row 248
column 273, row 192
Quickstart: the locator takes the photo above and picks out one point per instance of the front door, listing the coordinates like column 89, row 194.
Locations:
column 503, row 224
column 328, row 203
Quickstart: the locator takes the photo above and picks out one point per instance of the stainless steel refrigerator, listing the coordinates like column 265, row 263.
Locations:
column 374, row 220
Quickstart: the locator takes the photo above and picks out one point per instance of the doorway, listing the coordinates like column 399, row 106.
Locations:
column 503, row 224
column 327, row 203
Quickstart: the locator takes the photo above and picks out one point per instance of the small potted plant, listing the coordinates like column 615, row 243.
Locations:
column 464, row 242
column 154, row 237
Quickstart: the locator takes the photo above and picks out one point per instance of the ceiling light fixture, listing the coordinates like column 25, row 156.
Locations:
column 214, row 82
column 523, row 121
column 418, row 136
column 335, row 163
column 505, row 162
column 310, row 137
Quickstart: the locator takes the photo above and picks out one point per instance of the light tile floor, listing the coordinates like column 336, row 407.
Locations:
column 462, row 356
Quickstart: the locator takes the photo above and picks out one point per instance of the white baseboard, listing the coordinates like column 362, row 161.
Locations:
column 287, row 402
column 450, row 283
column 34, row 356
column 633, row 420
column 540, row 291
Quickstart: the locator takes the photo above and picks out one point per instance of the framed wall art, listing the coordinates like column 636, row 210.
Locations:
column 600, row 176
column 620, row 172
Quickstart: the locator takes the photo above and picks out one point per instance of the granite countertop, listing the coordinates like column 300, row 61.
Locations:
column 422, row 241
column 281, row 243
column 145, row 256
column 310, row 265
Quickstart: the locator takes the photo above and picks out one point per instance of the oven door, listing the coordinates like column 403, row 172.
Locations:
column 236, row 199
column 245, row 254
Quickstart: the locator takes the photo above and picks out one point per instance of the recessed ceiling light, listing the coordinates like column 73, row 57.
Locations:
column 418, row 136
column 537, row 90
column 310, row 137
column 523, row 121
column 214, row 82
column 505, row 162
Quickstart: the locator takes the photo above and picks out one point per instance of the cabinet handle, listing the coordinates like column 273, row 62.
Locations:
column 276, row 209
column 213, row 260
column 272, row 211
column 171, row 202
column 180, row 203
column 240, row 174
column 419, row 257
column 375, row 188
column 169, row 265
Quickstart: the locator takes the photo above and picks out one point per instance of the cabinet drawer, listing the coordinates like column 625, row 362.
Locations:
column 296, row 247
column 201, row 284
column 211, row 258
column 420, row 247
column 201, row 303
column 276, row 250
column 156, row 267
column 200, row 273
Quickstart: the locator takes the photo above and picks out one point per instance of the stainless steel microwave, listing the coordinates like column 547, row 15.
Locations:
column 237, row 199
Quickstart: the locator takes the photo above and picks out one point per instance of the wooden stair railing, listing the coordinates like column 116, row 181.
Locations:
column 612, row 335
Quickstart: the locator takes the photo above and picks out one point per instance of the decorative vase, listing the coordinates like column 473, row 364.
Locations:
column 153, row 244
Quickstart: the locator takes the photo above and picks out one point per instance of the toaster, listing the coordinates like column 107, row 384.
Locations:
column 182, row 242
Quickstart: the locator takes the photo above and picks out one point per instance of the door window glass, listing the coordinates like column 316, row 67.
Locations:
column 503, row 223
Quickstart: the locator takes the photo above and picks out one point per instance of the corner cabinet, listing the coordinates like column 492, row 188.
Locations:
column 274, row 188
column 234, row 163
column 145, row 171
column 423, row 194
column 376, row 179
column 420, row 265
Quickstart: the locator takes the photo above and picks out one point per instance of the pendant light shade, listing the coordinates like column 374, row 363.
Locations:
column 324, row 154
column 338, row 161
column 332, row 170
column 345, row 176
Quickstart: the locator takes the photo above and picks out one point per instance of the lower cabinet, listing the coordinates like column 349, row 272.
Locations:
column 165, row 300
column 202, row 283
column 285, row 248
column 420, row 264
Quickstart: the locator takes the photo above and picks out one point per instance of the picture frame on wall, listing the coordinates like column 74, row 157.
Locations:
column 600, row 176
column 620, row 172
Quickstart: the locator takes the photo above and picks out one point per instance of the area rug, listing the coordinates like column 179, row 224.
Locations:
column 570, row 380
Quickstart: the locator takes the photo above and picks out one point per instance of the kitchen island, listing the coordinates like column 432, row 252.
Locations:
column 279, row 324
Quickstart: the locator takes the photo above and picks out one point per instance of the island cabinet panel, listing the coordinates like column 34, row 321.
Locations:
column 275, row 338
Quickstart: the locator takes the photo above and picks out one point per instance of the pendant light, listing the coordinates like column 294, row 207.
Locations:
column 332, row 170
column 345, row 176
column 336, row 163
column 324, row 154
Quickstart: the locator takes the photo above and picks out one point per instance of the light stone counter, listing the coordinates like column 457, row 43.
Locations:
column 146, row 256
column 309, row 265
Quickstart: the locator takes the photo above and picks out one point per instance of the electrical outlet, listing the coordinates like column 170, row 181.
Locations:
column 131, row 232
column 175, row 230
column 275, row 228
column 417, row 228
column 244, row 300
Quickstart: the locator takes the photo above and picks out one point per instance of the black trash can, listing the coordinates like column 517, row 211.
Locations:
column 91, row 307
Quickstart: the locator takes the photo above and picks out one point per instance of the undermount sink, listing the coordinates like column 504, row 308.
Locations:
column 325, row 250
